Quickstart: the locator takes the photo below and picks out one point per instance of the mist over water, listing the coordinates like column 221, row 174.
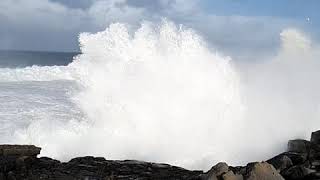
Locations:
column 158, row 93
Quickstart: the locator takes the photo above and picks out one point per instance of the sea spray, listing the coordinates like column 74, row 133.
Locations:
column 157, row 94
column 281, row 93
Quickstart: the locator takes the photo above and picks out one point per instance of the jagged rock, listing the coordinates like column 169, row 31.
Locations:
column 219, row 168
column 209, row 176
column 296, row 158
column 231, row 176
column 313, row 176
column 315, row 137
column 296, row 172
column 314, row 153
column 216, row 171
column 238, row 169
column 92, row 168
column 262, row 171
column 315, row 165
column 19, row 150
column 280, row 162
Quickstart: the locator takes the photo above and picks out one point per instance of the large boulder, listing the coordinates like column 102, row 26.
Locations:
column 298, row 146
column 314, row 153
column 296, row 158
column 216, row 171
column 296, row 172
column 262, row 171
column 280, row 162
column 315, row 137
column 220, row 168
column 19, row 150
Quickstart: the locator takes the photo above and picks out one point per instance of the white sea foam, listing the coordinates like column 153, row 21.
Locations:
column 35, row 73
column 159, row 94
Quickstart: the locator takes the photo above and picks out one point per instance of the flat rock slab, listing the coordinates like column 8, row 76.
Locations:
column 19, row 150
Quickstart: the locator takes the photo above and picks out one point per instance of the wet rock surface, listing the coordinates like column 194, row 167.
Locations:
column 304, row 157
column 300, row 162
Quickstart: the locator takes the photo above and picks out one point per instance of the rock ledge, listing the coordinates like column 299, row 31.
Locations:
column 301, row 161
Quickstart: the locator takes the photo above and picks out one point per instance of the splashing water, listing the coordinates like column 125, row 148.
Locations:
column 159, row 94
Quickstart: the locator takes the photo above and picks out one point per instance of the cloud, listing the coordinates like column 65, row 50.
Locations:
column 82, row 4
column 55, row 24
column 46, row 23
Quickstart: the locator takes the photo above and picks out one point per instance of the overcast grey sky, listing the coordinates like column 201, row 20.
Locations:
column 232, row 25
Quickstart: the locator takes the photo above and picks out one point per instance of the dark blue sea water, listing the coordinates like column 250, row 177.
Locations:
column 14, row 59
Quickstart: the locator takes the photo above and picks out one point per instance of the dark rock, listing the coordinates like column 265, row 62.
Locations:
column 238, row 169
column 262, row 171
column 91, row 168
column 19, row 150
column 209, row 176
column 296, row 172
column 315, row 137
column 11, row 176
column 280, row 162
column 315, row 165
column 313, row 176
column 298, row 146
column 314, row 153
column 296, row 158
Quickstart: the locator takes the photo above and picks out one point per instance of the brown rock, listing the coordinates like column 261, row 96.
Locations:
column 220, row 168
column 231, row 176
column 262, row 171
column 216, row 171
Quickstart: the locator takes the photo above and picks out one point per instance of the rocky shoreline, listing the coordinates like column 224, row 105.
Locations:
column 301, row 161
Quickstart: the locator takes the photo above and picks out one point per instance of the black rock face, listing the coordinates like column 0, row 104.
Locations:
column 88, row 168
column 315, row 137
column 300, row 162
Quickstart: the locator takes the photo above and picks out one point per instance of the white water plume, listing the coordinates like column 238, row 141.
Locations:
column 157, row 94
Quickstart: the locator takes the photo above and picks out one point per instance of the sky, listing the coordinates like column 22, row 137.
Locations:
column 234, row 26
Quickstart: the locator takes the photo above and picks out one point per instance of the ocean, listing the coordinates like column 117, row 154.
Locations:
column 20, row 59
column 26, row 100
column 159, row 93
